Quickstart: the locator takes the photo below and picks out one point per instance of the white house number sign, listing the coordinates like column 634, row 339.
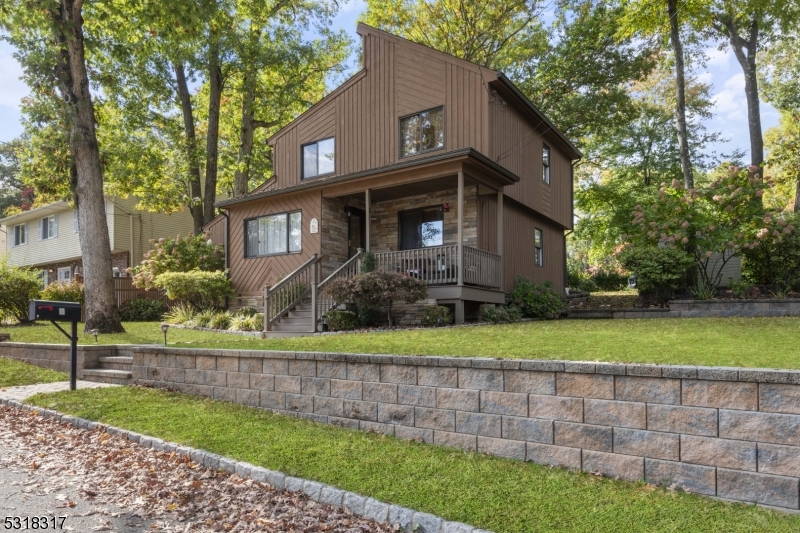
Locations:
column 314, row 226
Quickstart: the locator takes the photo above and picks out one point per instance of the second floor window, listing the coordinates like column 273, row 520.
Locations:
column 538, row 247
column 546, row 164
column 318, row 158
column 19, row 235
column 48, row 228
column 273, row 234
column 422, row 132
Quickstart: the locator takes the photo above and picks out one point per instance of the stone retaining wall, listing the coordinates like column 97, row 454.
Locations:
column 56, row 356
column 732, row 433
column 701, row 309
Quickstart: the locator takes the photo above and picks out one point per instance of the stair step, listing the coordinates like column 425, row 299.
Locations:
column 291, row 327
column 101, row 375
column 277, row 334
column 296, row 320
column 299, row 314
column 116, row 359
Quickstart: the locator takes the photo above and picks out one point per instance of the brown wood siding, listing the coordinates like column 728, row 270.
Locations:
column 516, row 143
column 519, row 259
column 249, row 275
column 216, row 230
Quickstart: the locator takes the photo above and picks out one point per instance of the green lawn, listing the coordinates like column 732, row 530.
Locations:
column 13, row 373
column 501, row 495
column 746, row 342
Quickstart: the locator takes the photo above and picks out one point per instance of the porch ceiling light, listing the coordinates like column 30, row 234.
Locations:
column 348, row 210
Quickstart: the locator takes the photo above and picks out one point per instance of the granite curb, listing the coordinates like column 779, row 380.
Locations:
column 407, row 519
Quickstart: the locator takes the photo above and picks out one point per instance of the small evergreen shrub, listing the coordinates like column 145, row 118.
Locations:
column 368, row 263
column 437, row 315
column 203, row 318
column 501, row 315
column 180, row 314
column 367, row 316
column 536, row 300
column 142, row 310
column 339, row 320
column 64, row 292
column 658, row 270
column 221, row 320
column 203, row 290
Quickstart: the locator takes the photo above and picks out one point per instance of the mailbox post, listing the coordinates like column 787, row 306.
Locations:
column 61, row 312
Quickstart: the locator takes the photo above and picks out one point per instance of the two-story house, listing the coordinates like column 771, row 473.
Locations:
column 442, row 168
column 46, row 238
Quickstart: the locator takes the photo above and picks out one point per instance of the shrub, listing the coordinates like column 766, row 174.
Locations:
column 609, row 280
column 203, row 318
column 437, row 315
column 581, row 281
column 17, row 287
column 248, row 323
column 64, row 292
column 740, row 288
column 177, row 255
column 536, row 300
column 776, row 262
column 658, row 270
column 221, row 320
column 204, row 290
column 378, row 288
column 501, row 315
column 367, row 316
column 247, row 311
column 338, row 320
column 368, row 263
column 180, row 314
column 142, row 310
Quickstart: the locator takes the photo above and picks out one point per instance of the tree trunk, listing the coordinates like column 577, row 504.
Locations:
column 195, row 190
column 212, row 139
column 747, row 60
column 680, row 87
column 73, row 80
column 242, row 176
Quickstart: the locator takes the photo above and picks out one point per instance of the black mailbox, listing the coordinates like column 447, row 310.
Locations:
column 55, row 311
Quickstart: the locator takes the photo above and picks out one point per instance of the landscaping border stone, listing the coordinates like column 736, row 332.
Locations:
column 407, row 519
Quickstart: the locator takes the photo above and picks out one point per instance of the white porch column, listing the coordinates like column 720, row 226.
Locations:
column 368, row 216
column 460, row 229
column 500, row 234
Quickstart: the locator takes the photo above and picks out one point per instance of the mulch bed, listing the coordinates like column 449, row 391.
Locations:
column 169, row 488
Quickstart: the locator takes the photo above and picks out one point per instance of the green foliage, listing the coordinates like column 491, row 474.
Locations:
column 181, row 254
column 659, row 270
column 142, row 310
column 16, row 373
column 13, row 194
column 203, row 318
column 65, row 292
column 339, row 320
column 247, row 323
column 536, row 300
column 437, row 315
column 368, row 263
column 17, row 287
column 702, row 291
column 776, row 262
column 378, row 288
column 204, row 290
column 741, row 288
column 221, row 320
column 501, row 314
column 181, row 313
column 367, row 316
column 247, row 311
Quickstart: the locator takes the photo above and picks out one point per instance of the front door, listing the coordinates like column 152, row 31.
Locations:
column 357, row 231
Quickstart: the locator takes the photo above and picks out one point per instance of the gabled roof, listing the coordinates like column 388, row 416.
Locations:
column 36, row 212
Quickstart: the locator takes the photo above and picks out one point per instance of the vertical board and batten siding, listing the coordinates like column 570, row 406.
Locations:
column 249, row 275
column 364, row 114
column 517, row 144
column 519, row 258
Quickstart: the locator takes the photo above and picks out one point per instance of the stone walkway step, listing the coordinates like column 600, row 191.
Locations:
column 22, row 392
column 102, row 375
column 116, row 362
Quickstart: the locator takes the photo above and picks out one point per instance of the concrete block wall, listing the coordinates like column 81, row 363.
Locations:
column 56, row 356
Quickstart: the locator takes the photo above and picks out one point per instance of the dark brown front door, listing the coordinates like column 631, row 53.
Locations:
column 357, row 231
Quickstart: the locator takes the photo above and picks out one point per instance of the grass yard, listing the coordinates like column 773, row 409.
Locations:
column 497, row 494
column 746, row 342
column 14, row 373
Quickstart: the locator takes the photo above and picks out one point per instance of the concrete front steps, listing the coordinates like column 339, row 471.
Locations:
column 296, row 323
column 116, row 370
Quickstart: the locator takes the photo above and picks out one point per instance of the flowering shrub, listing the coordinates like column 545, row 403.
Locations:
column 177, row 255
column 376, row 289
column 203, row 290
column 713, row 222
column 64, row 292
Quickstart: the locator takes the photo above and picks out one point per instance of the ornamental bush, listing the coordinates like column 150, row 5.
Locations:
column 501, row 314
column 377, row 289
column 438, row 315
column 17, row 287
column 536, row 300
column 776, row 262
column 659, row 270
column 177, row 255
column 142, row 310
column 64, row 292
column 203, row 290
column 339, row 320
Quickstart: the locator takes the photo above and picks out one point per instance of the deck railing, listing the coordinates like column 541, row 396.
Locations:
column 290, row 291
column 438, row 265
column 348, row 270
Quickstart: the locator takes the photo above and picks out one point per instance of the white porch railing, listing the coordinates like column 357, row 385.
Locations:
column 438, row 265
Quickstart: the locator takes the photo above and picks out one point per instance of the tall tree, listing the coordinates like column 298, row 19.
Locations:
column 680, row 92
column 11, row 187
column 64, row 65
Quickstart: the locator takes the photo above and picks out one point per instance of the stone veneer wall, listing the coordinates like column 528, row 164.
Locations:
column 732, row 433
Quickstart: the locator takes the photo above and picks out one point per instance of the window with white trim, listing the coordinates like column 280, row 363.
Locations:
column 318, row 158
column 273, row 234
column 65, row 274
column 422, row 132
column 546, row 164
column 48, row 227
column 538, row 246
column 19, row 235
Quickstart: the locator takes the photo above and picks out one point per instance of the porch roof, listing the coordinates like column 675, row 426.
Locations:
column 499, row 173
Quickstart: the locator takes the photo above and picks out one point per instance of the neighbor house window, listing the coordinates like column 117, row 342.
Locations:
column 273, row 234
column 537, row 243
column 318, row 158
column 421, row 228
column 422, row 132
column 546, row 164
column 65, row 274
column 19, row 235
column 48, row 227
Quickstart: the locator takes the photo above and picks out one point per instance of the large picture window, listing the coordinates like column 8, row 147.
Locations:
column 19, row 235
column 318, row 158
column 421, row 228
column 546, row 164
column 273, row 234
column 422, row 132
column 538, row 246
